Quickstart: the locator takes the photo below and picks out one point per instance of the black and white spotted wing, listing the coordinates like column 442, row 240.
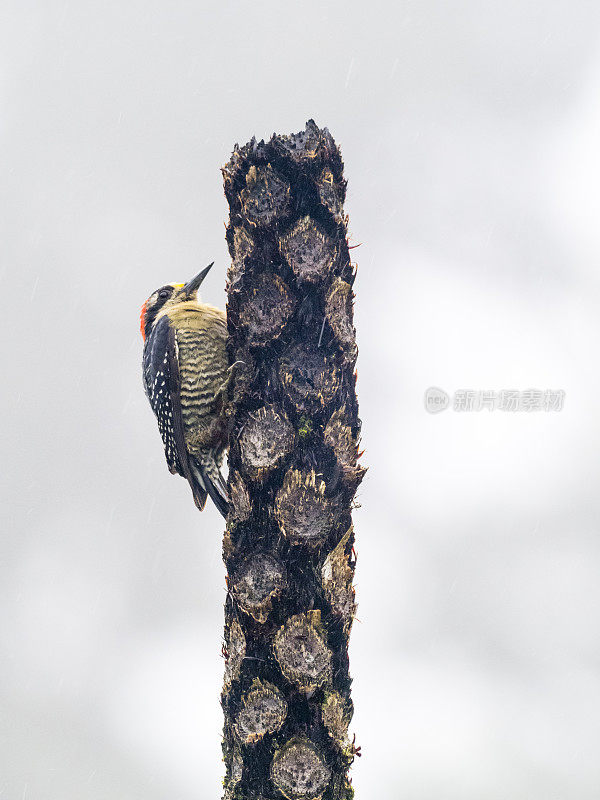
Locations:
column 160, row 384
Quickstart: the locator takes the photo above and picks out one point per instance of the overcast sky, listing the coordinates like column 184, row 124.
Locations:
column 470, row 136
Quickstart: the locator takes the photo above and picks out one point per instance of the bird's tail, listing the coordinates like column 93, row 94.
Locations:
column 208, row 480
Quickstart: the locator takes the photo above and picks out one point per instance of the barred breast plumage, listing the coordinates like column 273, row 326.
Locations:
column 202, row 370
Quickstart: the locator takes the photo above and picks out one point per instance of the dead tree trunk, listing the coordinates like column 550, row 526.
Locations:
column 293, row 472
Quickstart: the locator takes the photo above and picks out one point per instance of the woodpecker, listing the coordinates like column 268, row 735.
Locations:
column 185, row 374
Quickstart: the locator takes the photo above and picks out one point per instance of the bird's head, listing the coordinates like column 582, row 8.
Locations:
column 170, row 295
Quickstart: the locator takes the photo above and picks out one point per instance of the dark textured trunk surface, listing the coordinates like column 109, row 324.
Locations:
column 293, row 473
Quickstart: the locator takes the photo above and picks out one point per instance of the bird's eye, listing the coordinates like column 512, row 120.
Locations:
column 163, row 294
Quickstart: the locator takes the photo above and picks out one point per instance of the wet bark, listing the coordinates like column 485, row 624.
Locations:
column 293, row 472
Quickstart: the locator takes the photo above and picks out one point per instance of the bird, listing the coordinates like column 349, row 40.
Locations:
column 185, row 375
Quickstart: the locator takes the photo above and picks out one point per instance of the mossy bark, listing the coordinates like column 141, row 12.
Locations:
column 293, row 472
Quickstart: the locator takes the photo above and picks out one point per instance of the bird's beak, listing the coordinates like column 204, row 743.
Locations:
column 192, row 286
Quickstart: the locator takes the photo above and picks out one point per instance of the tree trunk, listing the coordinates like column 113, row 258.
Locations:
column 293, row 472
